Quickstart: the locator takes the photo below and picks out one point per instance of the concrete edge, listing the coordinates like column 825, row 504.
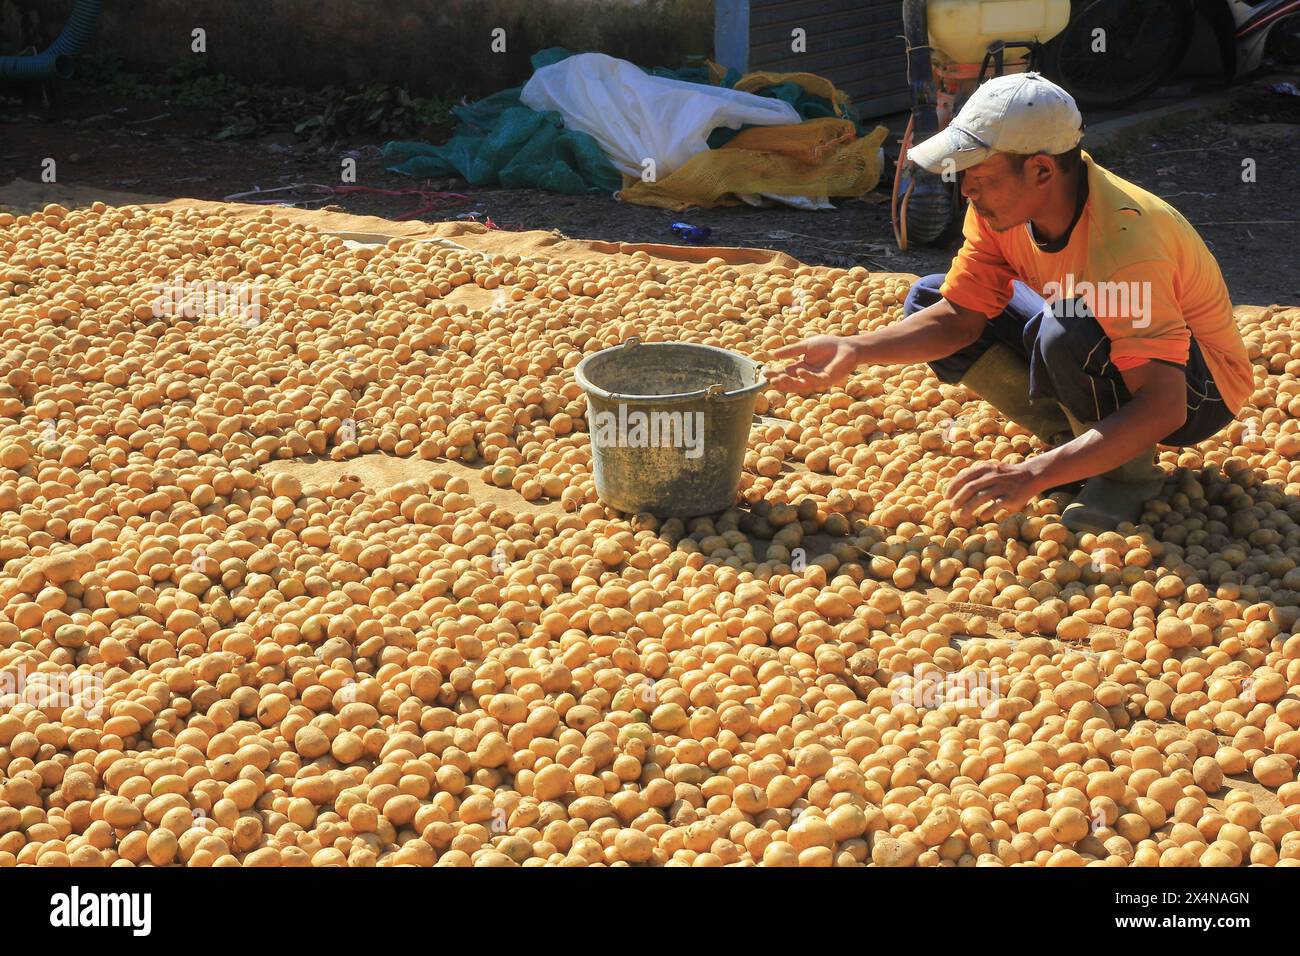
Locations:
column 1113, row 135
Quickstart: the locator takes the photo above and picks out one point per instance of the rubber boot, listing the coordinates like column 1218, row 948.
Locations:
column 1001, row 378
column 1116, row 496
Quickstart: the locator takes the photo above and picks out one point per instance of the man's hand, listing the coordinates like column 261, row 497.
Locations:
column 824, row 361
column 995, row 486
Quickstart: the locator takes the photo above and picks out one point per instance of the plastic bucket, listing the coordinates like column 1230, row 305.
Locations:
column 669, row 424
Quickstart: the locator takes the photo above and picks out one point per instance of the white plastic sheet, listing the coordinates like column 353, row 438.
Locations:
column 637, row 117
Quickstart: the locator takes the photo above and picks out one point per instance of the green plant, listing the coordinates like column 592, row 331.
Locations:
column 245, row 109
column 384, row 110
column 103, row 71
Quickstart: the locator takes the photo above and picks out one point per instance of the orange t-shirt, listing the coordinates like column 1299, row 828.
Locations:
column 1135, row 261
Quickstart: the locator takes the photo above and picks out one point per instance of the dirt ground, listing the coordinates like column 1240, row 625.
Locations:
column 153, row 147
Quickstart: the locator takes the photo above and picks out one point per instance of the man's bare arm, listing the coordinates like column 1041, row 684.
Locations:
column 1158, row 407
column 934, row 332
column 931, row 333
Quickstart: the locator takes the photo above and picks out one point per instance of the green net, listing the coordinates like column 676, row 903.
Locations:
column 500, row 142
column 523, row 149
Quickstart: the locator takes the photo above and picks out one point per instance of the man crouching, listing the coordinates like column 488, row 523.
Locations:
column 1082, row 307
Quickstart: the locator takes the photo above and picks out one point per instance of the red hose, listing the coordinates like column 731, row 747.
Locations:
column 899, row 214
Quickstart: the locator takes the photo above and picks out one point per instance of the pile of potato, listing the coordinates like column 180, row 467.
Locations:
column 205, row 664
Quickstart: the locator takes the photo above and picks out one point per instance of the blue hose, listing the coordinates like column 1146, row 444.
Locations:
column 56, row 62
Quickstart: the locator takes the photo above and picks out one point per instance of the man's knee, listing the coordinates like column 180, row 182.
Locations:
column 1068, row 340
column 1071, row 363
column 924, row 292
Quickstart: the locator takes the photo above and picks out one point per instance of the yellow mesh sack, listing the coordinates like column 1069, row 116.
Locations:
column 811, row 82
column 750, row 82
column 839, row 167
column 807, row 142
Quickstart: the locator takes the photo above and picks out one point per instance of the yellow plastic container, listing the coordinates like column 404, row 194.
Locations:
column 963, row 29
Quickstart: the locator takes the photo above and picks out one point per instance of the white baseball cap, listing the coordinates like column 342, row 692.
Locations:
column 1016, row 113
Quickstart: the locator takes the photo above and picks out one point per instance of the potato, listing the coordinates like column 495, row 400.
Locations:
column 1072, row 629
column 1069, row 825
column 1208, row 774
column 889, row 851
column 1274, row 770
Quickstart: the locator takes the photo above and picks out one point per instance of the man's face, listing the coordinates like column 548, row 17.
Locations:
column 1004, row 193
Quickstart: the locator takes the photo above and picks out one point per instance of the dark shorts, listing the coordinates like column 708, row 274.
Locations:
column 1069, row 360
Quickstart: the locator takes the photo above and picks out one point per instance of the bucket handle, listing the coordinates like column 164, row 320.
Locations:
column 714, row 391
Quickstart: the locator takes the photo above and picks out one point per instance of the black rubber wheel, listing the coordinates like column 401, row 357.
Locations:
column 929, row 212
column 1283, row 42
column 1144, row 41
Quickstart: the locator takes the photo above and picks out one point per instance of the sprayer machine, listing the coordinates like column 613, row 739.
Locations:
column 952, row 47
